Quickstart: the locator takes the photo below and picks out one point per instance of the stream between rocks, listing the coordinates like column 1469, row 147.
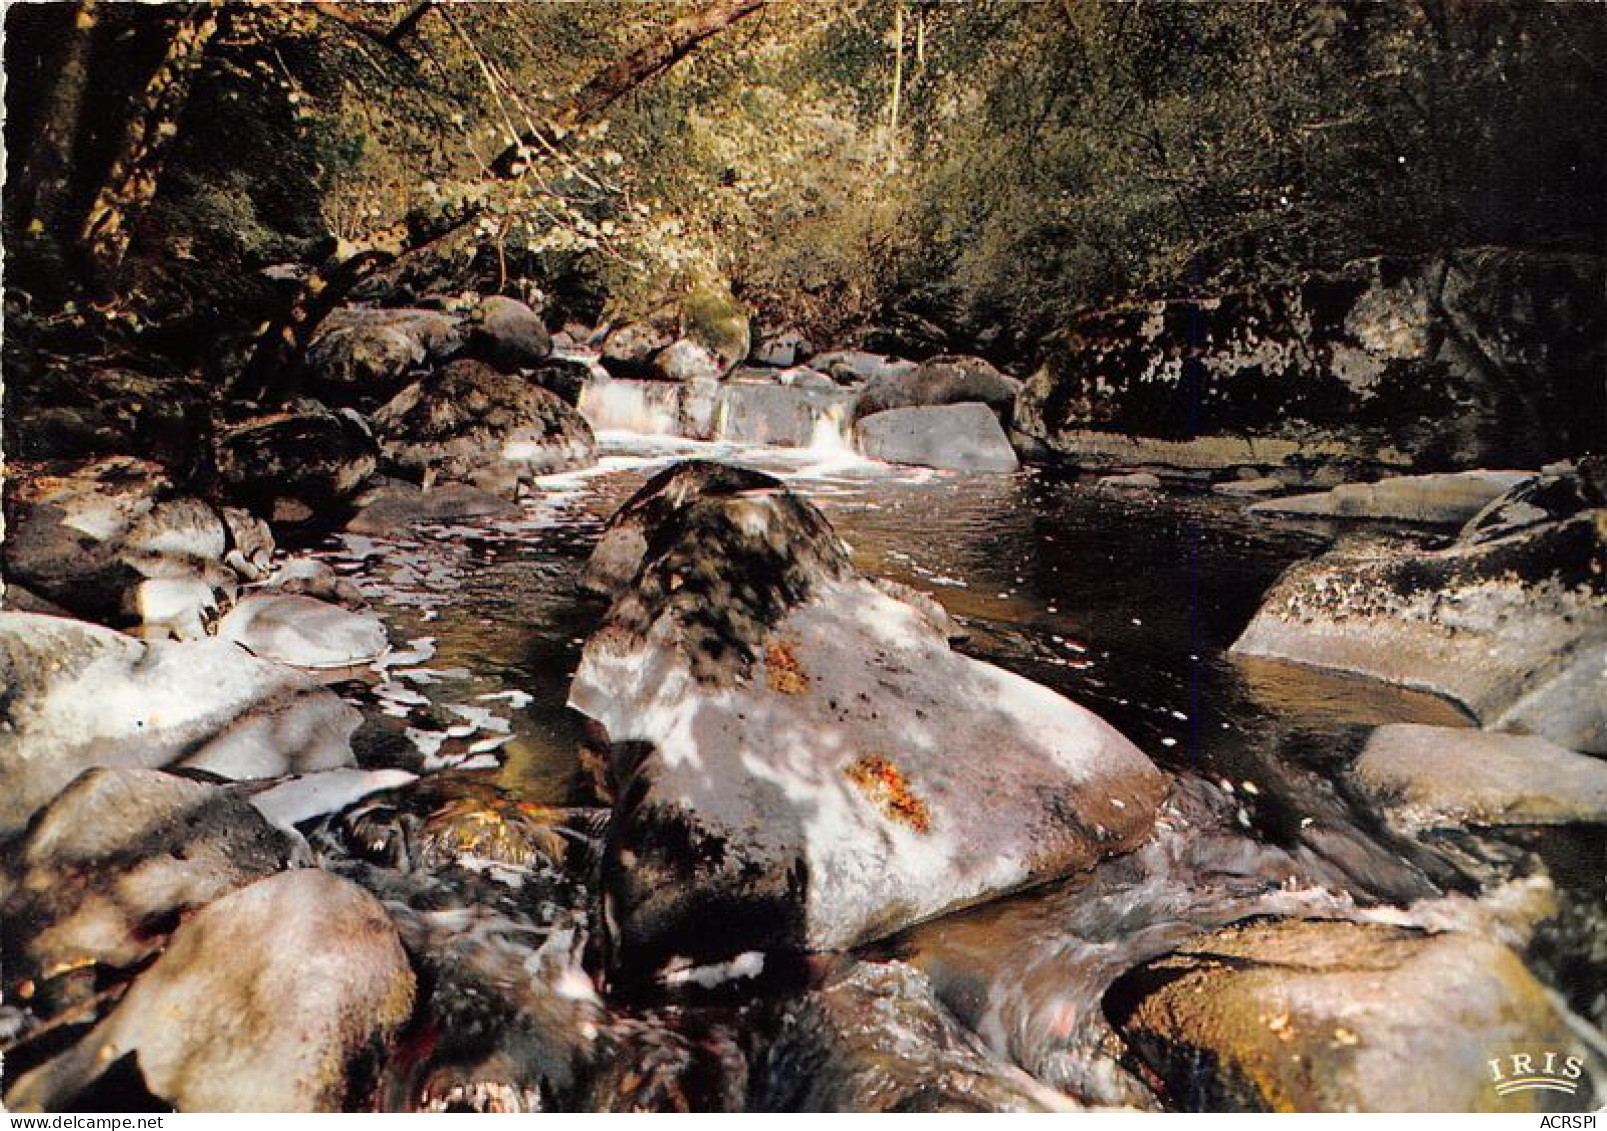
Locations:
column 1124, row 601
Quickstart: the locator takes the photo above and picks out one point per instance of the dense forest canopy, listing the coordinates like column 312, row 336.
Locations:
column 990, row 165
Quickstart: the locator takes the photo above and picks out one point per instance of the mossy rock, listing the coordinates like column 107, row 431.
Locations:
column 718, row 323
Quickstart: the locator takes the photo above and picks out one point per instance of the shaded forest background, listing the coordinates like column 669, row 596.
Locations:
column 973, row 171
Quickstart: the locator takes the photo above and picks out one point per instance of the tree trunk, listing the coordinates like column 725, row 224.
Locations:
column 624, row 75
column 45, row 181
column 132, row 182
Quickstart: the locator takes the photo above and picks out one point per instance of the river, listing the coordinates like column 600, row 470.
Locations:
column 1124, row 601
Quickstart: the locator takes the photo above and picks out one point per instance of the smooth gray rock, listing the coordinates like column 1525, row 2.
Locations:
column 789, row 733
column 80, row 696
column 1557, row 493
column 856, row 367
column 1514, row 629
column 1450, row 777
column 304, row 632
column 277, row 997
column 783, row 350
column 961, row 437
column 1451, row 498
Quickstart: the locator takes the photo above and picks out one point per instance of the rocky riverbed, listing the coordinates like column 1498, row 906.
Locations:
column 605, row 723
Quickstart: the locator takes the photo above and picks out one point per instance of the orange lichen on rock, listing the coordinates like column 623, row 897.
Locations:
column 884, row 786
column 782, row 671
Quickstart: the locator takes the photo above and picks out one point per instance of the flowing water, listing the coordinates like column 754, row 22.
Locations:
column 1126, row 603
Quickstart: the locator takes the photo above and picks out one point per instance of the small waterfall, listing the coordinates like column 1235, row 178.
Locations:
column 744, row 412
column 652, row 408
column 832, row 431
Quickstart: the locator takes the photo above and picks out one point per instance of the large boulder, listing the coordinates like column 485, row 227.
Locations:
column 950, row 379
column 958, row 437
column 278, row 997
column 1473, row 358
column 1449, row 498
column 472, row 424
column 875, row 1038
column 300, row 466
column 1427, row 777
column 1514, row 629
column 117, row 855
column 798, row 756
column 361, row 357
column 80, row 696
column 508, row 334
column 1336, row 1016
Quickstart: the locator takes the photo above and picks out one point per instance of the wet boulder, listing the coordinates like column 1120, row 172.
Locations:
column 792, row 750
column 959, row 437
column 875, row 1038
column 1513, row 629
column 277, row 997
column 304, row 632
column 1336, row 1016
column 105, row 871
column 474, row 425
column 1449, row 777
column 80, row 696
column 508, row 334
column 1449, row 498
column 361, row 357
column 299, row 467
column 949, row 379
